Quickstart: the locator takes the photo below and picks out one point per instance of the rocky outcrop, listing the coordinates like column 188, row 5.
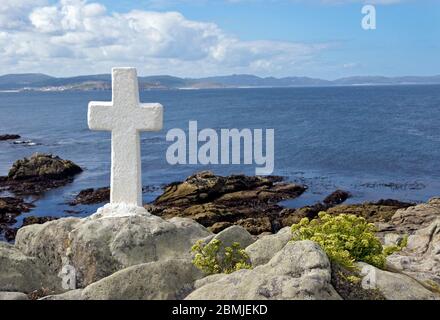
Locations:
column 301, row 270
column 421, row 258
column 123, row 252
column 21, row 273
column 161, row 280
column 114, row 238
column 216, row 201
column 39, row 173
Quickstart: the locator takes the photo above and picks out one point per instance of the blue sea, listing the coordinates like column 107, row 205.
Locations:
column 373, row 141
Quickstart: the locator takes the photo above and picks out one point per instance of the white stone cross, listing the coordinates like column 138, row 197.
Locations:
column 125, row 117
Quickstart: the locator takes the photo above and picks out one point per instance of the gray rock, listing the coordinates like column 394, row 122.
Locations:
column 301, row 270
column 261, row 251
column 161, row 280
column 13, row 296
column 47, row 242
column 235, row 234
column 114, row 238
column 68, row 295
column 394, row 286
column 421, row 258
column 21, row 273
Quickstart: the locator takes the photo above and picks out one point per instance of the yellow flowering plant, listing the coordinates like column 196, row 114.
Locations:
column 346, row 238
column 214, row 258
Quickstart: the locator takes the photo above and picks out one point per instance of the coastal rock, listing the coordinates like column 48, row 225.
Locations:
column 394, row 286
column 114, row 238
column 43, row 166
column 215, row 201
column 39, row 173
column 261, row 251
column 91, row 196
column 413, row 218
column 5, row 137
column 205, row 186
column 13, row 296
column 161, row 280
column 421, row 258
column 11, row 207
column 301, row 270
column 21, row 273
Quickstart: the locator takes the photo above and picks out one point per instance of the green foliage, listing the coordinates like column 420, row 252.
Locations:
column 212, row 258
column 345, row 238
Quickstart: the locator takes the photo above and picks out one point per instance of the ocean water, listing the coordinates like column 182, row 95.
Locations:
column 374, row 141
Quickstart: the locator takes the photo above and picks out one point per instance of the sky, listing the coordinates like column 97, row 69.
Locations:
column 197, row 38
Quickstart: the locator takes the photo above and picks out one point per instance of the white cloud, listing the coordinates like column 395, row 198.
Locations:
column 75, row 36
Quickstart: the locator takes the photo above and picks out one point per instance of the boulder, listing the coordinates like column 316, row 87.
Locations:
column 21, row 273
column 301, row 270
column 421, row 258
column 160, row 280
column 261, row 251
column 114, row 238
column 13, row 296
column 235, row 234
column 394, row 286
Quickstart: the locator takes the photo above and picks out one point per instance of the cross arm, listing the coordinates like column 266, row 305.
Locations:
column 149, row 117
column 99, row 116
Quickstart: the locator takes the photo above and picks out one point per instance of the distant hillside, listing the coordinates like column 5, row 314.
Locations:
column 42, row 82
column 13, row 81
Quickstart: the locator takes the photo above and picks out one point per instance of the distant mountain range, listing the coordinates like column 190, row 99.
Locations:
column 42, row 82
